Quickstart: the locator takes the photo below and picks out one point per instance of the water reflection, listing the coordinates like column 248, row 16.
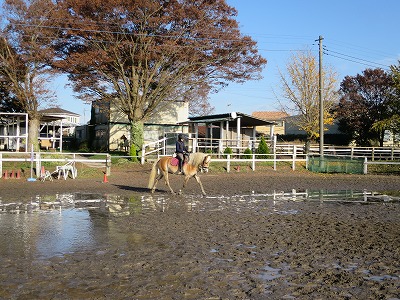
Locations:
column 64, row 223
column 118, row 205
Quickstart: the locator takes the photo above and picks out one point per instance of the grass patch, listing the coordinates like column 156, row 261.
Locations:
column 384, row 169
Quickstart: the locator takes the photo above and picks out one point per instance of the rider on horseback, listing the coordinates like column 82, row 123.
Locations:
column 181, row 152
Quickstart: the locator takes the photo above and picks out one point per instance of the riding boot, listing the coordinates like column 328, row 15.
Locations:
column 180, row 167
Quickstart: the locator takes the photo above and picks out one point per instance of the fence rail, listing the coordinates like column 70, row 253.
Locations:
column 292, row 154
column 37, row 158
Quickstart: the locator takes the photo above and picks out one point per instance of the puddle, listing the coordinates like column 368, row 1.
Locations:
column 268, row 273
column 64, row 223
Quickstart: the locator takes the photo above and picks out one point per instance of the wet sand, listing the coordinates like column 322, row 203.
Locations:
column 221, row 248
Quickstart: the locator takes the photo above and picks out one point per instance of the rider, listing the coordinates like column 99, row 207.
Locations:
column 181, row 151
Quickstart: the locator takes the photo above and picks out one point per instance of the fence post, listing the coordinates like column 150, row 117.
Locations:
column 275, row 161
column 294, row 157
column 365, row 165
column 228, row 163
column 307, row 161
column 143, row 154
column 373, row 154
column 253, row 163
column 165, row 146
column 108, row 164
column 38, row 163
column 1, row 165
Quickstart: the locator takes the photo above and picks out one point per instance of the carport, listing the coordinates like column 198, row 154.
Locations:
column 235, row 130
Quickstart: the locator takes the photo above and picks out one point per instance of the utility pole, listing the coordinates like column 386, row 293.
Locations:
column 321, row 102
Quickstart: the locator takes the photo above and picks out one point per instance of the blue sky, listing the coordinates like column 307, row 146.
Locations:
column 363, row 33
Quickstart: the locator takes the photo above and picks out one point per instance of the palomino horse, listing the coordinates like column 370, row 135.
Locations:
column 197, row 161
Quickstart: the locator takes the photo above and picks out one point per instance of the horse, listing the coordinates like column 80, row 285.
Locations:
column 197, row 162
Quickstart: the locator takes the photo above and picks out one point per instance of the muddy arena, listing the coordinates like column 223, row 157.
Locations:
column 256, row 235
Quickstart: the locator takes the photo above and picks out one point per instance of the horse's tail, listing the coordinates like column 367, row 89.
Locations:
column 153, row 174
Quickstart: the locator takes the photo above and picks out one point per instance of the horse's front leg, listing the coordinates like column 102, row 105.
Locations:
column 199, row 182
column 185, row 181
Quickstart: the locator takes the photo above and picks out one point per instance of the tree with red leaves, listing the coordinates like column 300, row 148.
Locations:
column 136, row 54
column 25, row 56
column 366, row 99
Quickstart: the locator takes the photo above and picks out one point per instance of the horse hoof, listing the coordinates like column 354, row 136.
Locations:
column 180, row 192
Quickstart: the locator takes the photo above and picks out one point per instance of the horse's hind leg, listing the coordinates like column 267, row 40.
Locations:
column 159, row 176
column 167, row 182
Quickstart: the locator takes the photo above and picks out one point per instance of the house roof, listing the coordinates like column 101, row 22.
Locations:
column 57, row 114
column 57, row 111
column 270, row 115
column 246, row 120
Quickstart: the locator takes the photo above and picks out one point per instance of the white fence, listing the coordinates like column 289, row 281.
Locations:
column 37, row 158
column 281, row 153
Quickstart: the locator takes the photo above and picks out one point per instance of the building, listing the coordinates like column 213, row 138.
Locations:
column 235, row 130
column 278, row 117
column 55, row 124
column 112, row 128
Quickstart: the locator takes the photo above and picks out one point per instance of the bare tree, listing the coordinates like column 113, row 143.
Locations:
column 24, row 59
column 137, row 54
column 300, row 85
column 198, row 101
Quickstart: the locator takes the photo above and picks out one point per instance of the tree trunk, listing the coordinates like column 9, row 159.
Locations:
column 137, row 138
column 381, row 138
column 33, row 133
column 307, row 145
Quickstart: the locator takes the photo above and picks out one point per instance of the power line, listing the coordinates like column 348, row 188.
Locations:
column 353, row 58
column 354, row 61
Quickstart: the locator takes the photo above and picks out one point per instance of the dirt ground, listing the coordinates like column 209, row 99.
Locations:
column 134, row 179
column 269, row 250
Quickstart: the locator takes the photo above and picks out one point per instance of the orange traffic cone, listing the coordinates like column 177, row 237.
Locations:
column 42, row 172
column 12, row 174
column 18, row 176
column 105, row 180
column 6, row 174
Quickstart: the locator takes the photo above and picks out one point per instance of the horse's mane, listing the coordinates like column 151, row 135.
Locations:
column 196, row 158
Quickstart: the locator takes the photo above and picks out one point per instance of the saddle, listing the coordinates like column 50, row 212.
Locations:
column 175, row 162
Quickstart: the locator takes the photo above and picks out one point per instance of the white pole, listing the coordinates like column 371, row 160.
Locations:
column 32, row 158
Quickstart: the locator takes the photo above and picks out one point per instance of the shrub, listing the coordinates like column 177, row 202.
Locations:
column 263, row 149
column 247, row 153
column 227, row 151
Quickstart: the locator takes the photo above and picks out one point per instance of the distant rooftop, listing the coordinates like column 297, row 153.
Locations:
column 270, row 115
column 58, row 111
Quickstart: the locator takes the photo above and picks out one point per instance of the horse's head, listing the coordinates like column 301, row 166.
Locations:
column 204, row 165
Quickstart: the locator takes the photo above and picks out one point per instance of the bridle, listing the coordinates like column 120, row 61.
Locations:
column 204, row 166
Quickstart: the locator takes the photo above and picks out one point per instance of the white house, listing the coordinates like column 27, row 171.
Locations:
column 112, row 128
